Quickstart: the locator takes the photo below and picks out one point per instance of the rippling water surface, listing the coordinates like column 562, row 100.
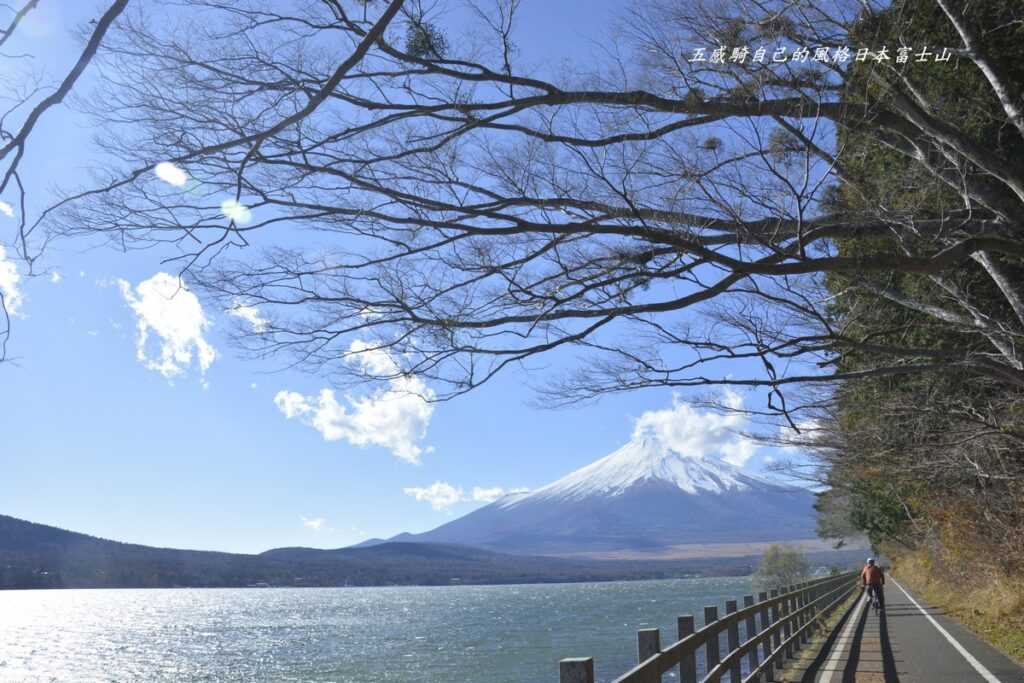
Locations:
column 348, row 635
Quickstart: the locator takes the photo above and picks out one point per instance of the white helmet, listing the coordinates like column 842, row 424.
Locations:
column 871, row 560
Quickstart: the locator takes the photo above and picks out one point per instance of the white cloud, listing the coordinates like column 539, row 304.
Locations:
column 236, row 211
column 388, row 418
column 487, row 495
column 699, row 433
column 166, row 308
column 440, row 494
column 292, row 403
column 6, row 209
column 376, row 361
column 171, row 174
column 314, row 523
column 56, row 277
column 739, row 451
column 251, row 315
column 9, row 283
column 395, row 417
column 794, row 442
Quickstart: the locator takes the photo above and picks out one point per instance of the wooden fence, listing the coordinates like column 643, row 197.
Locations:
column 772, row 629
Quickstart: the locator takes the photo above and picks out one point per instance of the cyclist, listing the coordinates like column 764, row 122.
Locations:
column 872, row 578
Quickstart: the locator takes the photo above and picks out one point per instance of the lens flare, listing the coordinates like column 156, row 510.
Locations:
column 171, row 174
column 236, row 211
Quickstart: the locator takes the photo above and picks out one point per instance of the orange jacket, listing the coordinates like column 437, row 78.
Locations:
column 872, row 575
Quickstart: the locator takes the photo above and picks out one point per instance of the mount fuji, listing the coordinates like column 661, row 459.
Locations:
column 645, row 499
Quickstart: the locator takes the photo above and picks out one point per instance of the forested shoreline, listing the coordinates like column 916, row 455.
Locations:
column 40, row 556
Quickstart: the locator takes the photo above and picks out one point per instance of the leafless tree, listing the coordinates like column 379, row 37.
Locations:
column 405, row 179
column 28, row 97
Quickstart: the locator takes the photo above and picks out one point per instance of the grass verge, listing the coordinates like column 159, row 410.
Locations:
column 989, row 605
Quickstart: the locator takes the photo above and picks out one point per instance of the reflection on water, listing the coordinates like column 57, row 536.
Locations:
column 346, row 635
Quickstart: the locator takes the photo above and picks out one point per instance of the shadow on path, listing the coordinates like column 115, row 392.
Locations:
column 853, row 657
column 888, row 661
column 811, row 674
column 867, row 658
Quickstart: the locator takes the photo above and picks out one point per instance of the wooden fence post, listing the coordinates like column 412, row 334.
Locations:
column 806, row 615
column 711, row 652
column 733, row 632
column 810, row 612
column 795, row 611
column 648, row 644
column 751, row 628
column 766, row 646
column 576, row 670
column 816, row 592
column 788, row 613
column 688, row 664
column 798, row 620
column 800, row 615
column 787, row 627
column 821, row 593
column 777, row 635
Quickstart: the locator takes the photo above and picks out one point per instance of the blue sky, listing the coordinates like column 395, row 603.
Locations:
column 95, row 439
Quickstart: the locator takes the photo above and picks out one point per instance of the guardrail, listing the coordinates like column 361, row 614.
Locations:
column 785, row 619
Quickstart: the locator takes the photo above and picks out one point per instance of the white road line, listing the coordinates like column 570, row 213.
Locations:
column 978, row 666
column 840, row 645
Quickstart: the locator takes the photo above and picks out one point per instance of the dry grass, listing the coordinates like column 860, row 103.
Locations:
column 990, row 604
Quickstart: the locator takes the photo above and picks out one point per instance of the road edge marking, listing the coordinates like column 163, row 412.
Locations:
column 978, row 666
column 840, row 644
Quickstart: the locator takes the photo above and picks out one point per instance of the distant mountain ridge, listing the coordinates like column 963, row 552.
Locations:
column 638, row 505
column 40, row 556
column 642, row 498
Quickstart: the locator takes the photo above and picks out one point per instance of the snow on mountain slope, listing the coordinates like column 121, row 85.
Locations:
column 643, row 496
column 648, row 459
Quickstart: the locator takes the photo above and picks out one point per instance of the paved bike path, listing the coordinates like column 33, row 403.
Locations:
column 911, row 642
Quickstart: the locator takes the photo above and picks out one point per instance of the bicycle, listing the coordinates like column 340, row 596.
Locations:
column 875, row 598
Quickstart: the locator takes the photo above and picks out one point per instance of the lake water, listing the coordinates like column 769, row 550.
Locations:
column 452, row 634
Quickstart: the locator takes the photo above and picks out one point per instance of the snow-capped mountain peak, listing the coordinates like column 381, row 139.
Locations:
column 646, row 459
column 645, row 497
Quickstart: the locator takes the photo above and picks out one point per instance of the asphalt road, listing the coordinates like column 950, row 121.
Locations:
column 910, row 642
